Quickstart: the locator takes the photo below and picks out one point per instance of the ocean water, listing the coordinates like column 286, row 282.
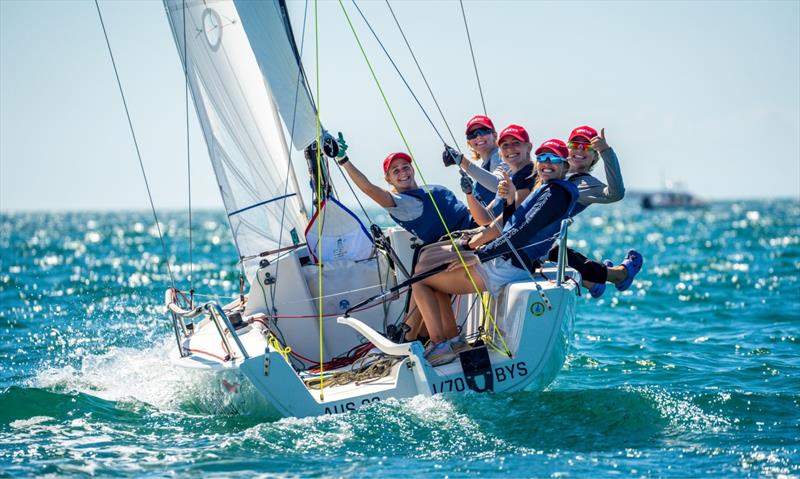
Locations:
column 695, row 371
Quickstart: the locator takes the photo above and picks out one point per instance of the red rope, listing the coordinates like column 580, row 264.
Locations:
column 200, row 351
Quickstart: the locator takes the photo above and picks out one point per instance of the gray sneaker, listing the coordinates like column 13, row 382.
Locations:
column 458, row 344
column 441, row 354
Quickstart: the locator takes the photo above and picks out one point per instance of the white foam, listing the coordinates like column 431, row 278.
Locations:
column 32, row 421
column 682, row 412
column 144, row 375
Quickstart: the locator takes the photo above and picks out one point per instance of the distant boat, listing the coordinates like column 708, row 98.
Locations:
column 673, row 196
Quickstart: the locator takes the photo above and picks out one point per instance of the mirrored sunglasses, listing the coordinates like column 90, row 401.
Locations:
column 580, row 146
column 554, row 159
column 479, row 132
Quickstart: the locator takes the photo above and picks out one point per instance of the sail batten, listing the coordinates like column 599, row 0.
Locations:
column 243, row 113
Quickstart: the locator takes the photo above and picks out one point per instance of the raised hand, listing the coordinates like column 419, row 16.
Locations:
column 451, row 156
column 342, row 146
column 599, row 141
column 506, row 188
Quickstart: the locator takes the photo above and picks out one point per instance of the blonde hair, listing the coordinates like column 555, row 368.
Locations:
column 475, row 155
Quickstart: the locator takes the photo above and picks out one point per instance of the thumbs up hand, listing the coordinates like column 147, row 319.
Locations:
column 506, row 189
column 599, row 142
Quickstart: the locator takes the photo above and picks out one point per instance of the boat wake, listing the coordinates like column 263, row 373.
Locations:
column 146, row 375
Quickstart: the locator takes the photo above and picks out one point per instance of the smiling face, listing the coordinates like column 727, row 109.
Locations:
column 515, row 153
column 551, row 171
column 581, row 159
column 484, row 143
column 401, row 175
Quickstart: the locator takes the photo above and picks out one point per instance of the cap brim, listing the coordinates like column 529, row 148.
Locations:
column 513, row 135
column 477, row 124
column 546, row 149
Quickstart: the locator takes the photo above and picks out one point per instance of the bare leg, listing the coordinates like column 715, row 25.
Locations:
column 428, row 304
column 617, row 274
column 426, row 297
column 414, row 322
column 446, row 316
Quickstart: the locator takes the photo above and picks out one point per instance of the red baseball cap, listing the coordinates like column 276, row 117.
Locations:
column 555, row 146
column 585, row 131
column 394, row 156
column 479, row 120
column 516, row 131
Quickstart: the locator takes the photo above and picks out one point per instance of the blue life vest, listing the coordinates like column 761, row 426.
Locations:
column 538, row 244
column 427, row 226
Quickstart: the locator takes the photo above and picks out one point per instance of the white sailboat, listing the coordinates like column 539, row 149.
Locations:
column 309, row 303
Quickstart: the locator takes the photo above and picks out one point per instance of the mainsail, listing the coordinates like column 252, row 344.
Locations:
column 248, row 90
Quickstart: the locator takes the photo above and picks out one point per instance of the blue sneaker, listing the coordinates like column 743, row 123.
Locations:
column 599, row 288
column 633, row 264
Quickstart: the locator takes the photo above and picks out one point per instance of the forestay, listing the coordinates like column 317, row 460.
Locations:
column 239, row 117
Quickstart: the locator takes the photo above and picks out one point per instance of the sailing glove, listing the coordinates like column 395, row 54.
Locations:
column 467, row 184
column 450, row 156
column 342, row 146
column 341, row 155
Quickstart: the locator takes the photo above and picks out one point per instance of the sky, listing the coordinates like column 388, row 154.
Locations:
column 703, row 93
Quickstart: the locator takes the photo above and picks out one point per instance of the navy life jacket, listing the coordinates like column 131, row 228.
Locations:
column 525, row 177
column 538, row 243
column 574, row 179
column 427, row 226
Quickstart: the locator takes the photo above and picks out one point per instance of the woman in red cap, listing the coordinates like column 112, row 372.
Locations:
column 486, row 166
column 586, row 148
column 527, row 235
column 409, row 205
column 514, row 147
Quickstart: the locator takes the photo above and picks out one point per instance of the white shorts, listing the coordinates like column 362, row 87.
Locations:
column 499, row 272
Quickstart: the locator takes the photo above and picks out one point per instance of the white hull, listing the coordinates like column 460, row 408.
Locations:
column 537, row 338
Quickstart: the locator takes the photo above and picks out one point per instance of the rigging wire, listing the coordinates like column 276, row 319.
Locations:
column 472, row 52
column 444, row 120
column 405, row 142
column 188, row 159
column 408, row 147
column 136, row 145
column 347, row 182
column 399, row 73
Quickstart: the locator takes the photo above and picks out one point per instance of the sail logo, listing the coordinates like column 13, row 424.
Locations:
column 537, row 308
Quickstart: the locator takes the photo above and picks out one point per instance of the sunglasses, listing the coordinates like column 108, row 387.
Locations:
column 479, row 132
column 579, row 146
column 554, row 159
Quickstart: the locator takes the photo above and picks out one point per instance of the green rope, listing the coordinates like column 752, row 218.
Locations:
column 319, row 205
